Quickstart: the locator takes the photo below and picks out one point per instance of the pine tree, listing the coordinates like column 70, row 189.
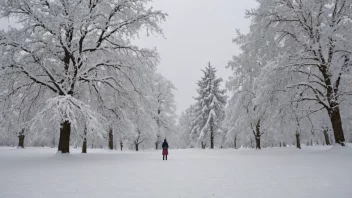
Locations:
column 209, row 109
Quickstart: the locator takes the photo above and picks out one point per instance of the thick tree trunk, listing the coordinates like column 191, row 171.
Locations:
column 111, row 139
column 327, row 138
column 211, row 137
column 121, row 145
column 336, row 123
column 298, row 140
column 64, row 142
column 257, row 142
column 136, row 145
column 234, row 142
column 21, row 140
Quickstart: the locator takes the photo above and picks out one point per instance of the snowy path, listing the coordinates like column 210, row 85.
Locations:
column 270, row 173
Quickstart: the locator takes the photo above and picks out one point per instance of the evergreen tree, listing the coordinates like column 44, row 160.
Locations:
column 209, row 109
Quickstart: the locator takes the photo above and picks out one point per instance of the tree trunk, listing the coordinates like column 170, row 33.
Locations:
column 280, row 144
column 211, row 137
column 84, row 146
column 336, row 123
column 156, row 145
column 136, row 145
column 327, row 139
column 257, row 135
column 121, row 145
column 257, row 142
column 298, row 140
column 111, row 139
column 53, row 142
column 21, row 139
column 64, row 142
column 203, row 145
column 234, row 142
column 311, row 142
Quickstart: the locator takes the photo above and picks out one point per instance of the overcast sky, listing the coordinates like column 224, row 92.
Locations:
column 197, row 31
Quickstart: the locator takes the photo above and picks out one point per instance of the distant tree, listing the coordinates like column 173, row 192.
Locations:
column 163, row 91
column 209, row 111
column 185, row 126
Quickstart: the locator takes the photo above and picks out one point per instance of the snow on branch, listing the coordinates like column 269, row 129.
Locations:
column 67, row 108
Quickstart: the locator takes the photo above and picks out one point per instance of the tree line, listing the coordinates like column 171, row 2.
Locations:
column 291, row 83
column 71, row 75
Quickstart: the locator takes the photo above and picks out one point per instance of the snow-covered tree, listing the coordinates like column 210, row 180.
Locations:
column 143, row 128
column 209, row 111
column 166, row 109
column 64, row 48
column 295, row 65
column 185, row 126
column 17, row 109
column 251, row 110
column 313, row 44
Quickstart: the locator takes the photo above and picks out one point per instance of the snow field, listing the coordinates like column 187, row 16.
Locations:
column 271, row 173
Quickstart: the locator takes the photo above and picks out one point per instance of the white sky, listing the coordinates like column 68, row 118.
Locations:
column 197, row 31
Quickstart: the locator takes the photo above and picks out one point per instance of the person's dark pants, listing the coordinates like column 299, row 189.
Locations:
column 164, row 156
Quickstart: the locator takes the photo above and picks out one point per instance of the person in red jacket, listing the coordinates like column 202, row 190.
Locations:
column 165, row 147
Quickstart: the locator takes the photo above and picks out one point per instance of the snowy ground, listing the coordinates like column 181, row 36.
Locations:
column 271, row 173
